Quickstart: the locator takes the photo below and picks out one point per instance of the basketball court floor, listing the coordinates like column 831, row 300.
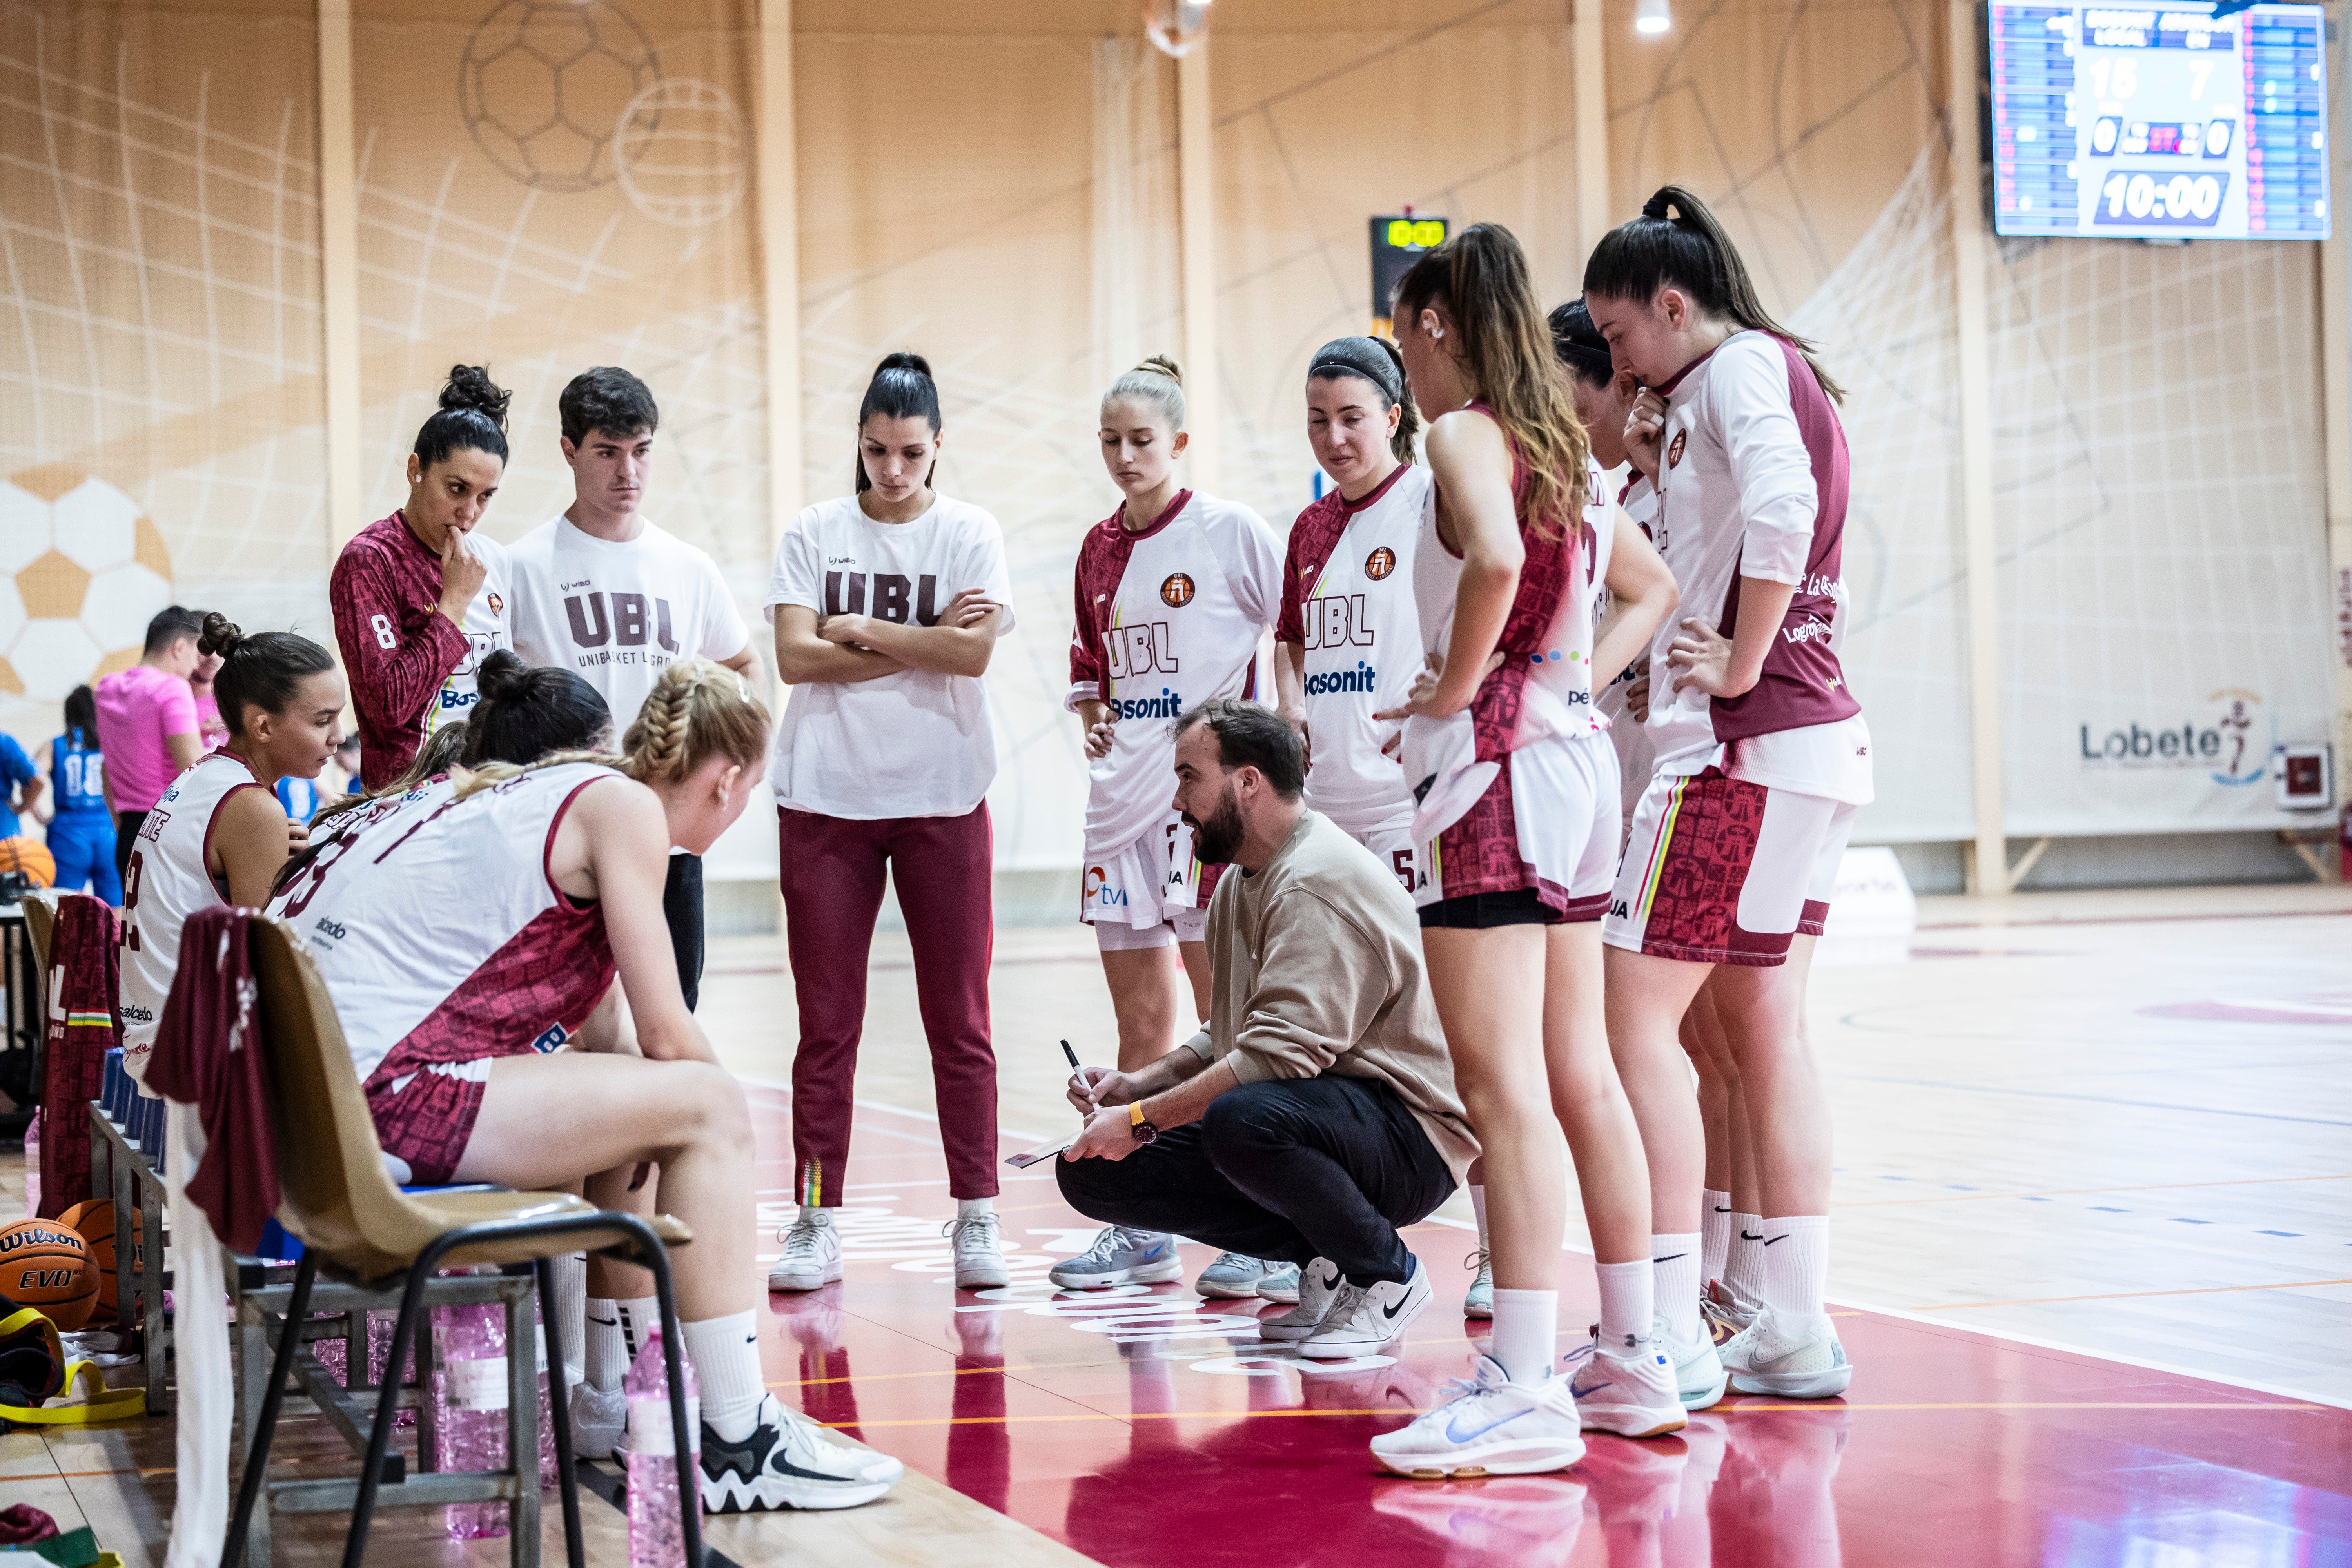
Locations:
column 2093, row 1262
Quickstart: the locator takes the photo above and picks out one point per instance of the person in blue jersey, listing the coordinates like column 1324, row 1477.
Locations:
column 81, row 834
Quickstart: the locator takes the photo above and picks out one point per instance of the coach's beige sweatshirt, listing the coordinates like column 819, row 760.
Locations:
column 1317, row 964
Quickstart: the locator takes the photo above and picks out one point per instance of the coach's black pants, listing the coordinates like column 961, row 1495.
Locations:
column 1291, row 1169
column 682, row 908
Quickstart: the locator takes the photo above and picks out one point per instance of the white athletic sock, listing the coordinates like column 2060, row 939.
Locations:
column 608, row 1350
column 725, row 1353
column 1796, row 1265
column 570, row 1271
column 1479, row 1207
column 1627, row 1294
column 1743, row 1263
column 1674, row 1266
column 1525, row 1325
column 968, row 1207
column 1715, row 1230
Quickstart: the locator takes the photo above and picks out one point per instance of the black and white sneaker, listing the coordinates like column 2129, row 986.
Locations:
column 789, row 1462
column 1363, row 1318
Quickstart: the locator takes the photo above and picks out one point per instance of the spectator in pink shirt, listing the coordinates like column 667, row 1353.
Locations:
column 147, row 724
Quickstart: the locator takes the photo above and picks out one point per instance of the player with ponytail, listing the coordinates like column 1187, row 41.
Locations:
column 887, row 604
column 1762, row 758
column 419, row 597
column 1516, row 834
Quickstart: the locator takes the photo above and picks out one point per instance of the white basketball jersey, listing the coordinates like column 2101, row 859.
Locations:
column 437, row 926
column 164, row 883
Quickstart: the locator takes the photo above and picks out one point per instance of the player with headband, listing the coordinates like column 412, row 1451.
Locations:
column 1174, row 591
column 498, row 1049
column 1762, row 759
column 1517, row 836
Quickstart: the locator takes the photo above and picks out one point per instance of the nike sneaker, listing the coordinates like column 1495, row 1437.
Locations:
column 1698, row 1369
column 1726, row 1311
column 600, row 1416
column 1233, row 1276
column 1630, row 1393
column 789, row 1462
column 1363, row 1318
column 1793, row 1360
column 1527, row 1522
column 1282, row 1285
column 1120, row 1257
column 1488, row 1426
column 812, row 1259
column 979, row 1258
column 1479, row 1301
column 1318, row 1287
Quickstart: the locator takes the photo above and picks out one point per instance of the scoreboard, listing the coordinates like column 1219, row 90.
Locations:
column 2151, row 121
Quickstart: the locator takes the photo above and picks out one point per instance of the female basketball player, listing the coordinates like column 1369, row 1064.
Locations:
column 81, row 834
column 1173, row 591
column 1517, row 831
column 218, row 834
column 887, row 604
column 493, row 1048
column 1762, row 758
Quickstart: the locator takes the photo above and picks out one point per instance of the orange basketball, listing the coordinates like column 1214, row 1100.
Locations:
column 31, row 857
column 94, row 1220
column 44, row 1263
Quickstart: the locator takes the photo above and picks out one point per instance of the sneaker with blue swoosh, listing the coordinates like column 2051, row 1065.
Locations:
column 1120, row 1257
column 1630, row 1392
column 1488, row 1426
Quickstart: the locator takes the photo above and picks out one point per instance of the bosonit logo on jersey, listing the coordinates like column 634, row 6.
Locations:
column 1166, row 705
column 2233, row 743
column 1363, row 678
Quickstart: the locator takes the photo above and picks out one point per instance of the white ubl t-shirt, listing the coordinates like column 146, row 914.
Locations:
column 914, row 743
column 618, row 615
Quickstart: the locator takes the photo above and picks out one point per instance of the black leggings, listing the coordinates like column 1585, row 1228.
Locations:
column 682, row 908
column 1286, row 1169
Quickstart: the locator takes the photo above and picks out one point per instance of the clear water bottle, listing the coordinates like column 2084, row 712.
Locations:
column 469, row 1403
column 379, row 1338
column 657, row 1538
column 33, row 1167
column 546, row 1411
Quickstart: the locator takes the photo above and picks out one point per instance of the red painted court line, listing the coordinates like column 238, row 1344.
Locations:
column 1955, row 1450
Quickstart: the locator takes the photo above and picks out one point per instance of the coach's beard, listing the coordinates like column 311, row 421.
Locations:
column 1215, row 841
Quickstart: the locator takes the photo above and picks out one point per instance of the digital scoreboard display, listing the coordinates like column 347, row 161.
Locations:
column 2156, row 122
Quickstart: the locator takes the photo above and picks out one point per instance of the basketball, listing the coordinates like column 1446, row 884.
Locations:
column 94, row 1220
column 44, row 1263
column 29, row 855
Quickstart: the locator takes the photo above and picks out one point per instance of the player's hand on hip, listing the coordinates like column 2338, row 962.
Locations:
column 1700, row 656
column 1637, row 699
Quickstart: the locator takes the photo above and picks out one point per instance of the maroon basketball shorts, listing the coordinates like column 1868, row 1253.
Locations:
column 1719, row 870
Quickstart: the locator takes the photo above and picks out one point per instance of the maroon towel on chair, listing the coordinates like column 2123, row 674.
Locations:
column 208, row 1055
column 78, row 996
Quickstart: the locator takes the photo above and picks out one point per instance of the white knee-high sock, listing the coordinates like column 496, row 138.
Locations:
column 640, row 1320
column 1796, row 1265
column 1525, row 1327
column 606, row 1349
column 571, row 1308
column 1627, row 1294
column 1743, row 1264
column 725, row 1353
column 1714, row 1232
column 1675, row 1264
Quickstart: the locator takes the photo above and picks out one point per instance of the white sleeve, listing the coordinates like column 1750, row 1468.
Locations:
column 1778, row 496
column 985, row 567
column 798, row 577
column 533, row 610
column 1254, row 566
column 724, row 635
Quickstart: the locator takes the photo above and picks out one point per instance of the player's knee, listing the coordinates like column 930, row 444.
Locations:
column 714, row 1106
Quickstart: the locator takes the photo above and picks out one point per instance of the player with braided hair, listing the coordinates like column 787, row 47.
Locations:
column 497, row 1049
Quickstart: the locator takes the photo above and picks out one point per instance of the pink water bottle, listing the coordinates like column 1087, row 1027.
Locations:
column 469, row 1399
column 657, row 1538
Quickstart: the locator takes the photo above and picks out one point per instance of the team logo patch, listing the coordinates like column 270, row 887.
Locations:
column 498, row 605
column 1674, row 452
column 1379, row 564
column 552, row 1039
column 1177, row 592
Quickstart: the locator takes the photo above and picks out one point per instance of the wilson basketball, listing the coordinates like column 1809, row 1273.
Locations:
column 45, row 1264
column 94, row 1220
column 31, row 857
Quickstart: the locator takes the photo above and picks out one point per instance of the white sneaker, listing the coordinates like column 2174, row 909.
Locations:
column 1363, row 1318
column 1698, row 1369
column 1488, row 1426
column 1120, row 1257
column 599, row 1419
column 1282, row 1285
column 1319, row 1287
column 1726, row 1311
column 1630, row 1393
column 1479, row 1302
column 789, row 1462
column 1234, row 1275
column 978, row 1260
column 812, row 1259
column 1793, row 1360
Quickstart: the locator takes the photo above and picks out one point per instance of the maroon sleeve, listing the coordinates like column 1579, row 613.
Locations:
column 1089, row 664
column 1314, row 533
column 391, row 686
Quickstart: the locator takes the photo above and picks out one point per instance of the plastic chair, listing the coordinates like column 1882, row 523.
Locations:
column 336, row 1198
column 41, row 926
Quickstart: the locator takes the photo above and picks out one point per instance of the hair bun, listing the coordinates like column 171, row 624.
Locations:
column 1161, row 365
column 1660, row 207
column 503, row 676
column 904, row 361
column 469, row 387
column 219, row 636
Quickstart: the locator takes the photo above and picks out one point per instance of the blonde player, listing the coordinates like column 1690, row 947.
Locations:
column 1517, row 834
column 1762, row 758
column 218, row 835
column 1174, row 591
column 492, row 1048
